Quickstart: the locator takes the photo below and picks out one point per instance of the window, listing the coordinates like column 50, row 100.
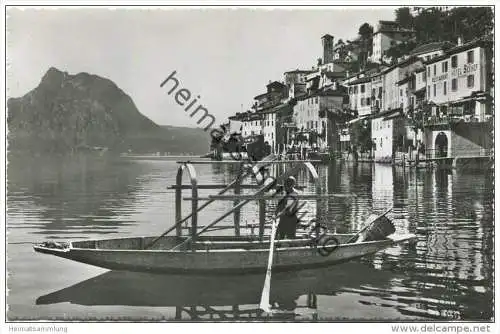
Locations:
column 434, row 89
column 428, row 71
column 444, row 66
column 380, row 91
column 444, row 88
column 453, row 61
column 470, row 80
column 362, row 102
column 373, row 91
column 316, row 124
column 400, row 92
column 316, row 100
column 355, row 89
column 429, row 91
column 470, row 57
column 453, row 84
column 362, row 88
column 424, row 76
column 434, row 69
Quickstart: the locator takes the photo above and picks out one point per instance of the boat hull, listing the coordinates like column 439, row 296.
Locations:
column 219, row 261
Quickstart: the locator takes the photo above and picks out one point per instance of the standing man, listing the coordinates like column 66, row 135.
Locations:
column 288, row 207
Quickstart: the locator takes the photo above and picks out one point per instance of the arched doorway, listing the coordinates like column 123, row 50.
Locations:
column 441, row 145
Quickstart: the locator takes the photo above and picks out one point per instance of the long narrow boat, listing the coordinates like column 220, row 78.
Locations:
column 209, row 254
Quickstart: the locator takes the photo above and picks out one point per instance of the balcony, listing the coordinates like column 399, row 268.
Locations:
column 452, row 119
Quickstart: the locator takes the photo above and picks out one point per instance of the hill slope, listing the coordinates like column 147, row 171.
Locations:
column 66, row 113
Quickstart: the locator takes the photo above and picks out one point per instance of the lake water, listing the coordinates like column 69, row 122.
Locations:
column 446, row 274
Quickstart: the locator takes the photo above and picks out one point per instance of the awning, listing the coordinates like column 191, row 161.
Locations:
column 358, row 119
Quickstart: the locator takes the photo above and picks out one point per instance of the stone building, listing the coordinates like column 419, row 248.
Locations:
column 459, row 92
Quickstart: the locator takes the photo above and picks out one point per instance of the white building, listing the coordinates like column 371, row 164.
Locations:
column 296, row 76
column 269, row 128
column 310, row 116
column 455, row 77
column 459, row 90
column 392, row 76
column 250, row 123
column 377, row 94
column 388, row 135
column 388, row 33
column 360, row 96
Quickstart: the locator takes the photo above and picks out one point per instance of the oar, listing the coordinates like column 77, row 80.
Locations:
column 368, row 224
column 264, row 299
column 255, row 168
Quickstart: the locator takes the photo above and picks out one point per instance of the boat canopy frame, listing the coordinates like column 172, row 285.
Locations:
column 238, row 199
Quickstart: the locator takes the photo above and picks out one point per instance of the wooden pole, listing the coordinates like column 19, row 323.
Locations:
column 262, row 218
column 178, row 213
column 264, row 299
column 267, row 197
column 237, row 213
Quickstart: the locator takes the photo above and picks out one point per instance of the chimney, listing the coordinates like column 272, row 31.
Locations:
column 459, row 41
column 327, row 41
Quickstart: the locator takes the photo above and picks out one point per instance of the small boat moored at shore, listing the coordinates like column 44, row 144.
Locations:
column 225, row 254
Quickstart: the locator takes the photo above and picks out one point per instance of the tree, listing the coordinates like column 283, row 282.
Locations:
column 404, row 18
column 365, row 33
column 399, row 50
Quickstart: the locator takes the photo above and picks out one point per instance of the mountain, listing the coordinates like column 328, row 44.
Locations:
column 67, row 113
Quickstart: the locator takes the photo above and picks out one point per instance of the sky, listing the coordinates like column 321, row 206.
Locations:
column 226, row 56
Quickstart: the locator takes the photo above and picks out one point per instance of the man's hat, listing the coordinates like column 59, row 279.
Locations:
column 290, row 179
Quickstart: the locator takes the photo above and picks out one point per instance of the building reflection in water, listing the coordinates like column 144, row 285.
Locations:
column 449, row 275
column 445, row 274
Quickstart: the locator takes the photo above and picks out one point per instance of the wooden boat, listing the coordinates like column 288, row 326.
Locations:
column 210, row 254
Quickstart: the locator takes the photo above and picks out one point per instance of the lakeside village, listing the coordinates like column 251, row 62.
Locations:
column 431, row 106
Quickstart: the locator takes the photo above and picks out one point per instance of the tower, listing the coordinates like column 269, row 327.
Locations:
column 327, row 41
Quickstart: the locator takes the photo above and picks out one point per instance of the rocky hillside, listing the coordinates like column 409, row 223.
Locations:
column 68, row 113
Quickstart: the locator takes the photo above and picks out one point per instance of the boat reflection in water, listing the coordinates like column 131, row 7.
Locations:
column 294, row 296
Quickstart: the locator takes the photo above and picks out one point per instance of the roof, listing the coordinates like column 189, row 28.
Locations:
column 299, row 71
column 323, row 93
column 275, row 84
column 398, row 30
column 387, row 114
column 403, row 81
column 429, row 47
column 335, row 74
column 386, row 22
column 275, row 109
column 327, row 36
column 260, row 95
column 246, row 116
column 395, row 113
column 360, row 80
column 419, row 91
column 411, row 59
column 481, row 41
